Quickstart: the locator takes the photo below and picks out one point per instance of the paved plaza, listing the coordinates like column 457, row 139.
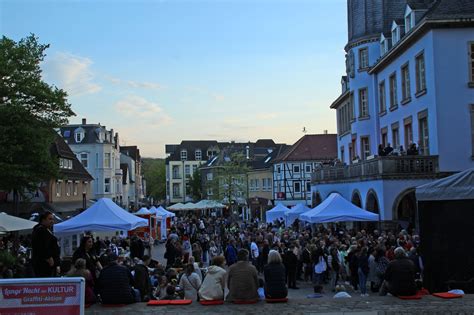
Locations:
column 299, row 303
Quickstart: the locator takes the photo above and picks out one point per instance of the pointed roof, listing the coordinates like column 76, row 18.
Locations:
column 312, row 147
column 62, row 150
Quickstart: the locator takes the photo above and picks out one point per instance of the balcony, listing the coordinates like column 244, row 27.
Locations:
column 177, row 176
column 387, row 167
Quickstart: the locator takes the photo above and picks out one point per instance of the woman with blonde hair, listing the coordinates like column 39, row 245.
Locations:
column 275, row 277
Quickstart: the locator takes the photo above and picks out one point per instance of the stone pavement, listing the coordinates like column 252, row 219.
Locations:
column 373, row 305
column 299, row 304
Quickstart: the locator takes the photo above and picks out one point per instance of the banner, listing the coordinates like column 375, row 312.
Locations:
column 42, row 296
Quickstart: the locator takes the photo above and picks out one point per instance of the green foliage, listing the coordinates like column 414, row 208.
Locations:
column 7, row 259
column 196, row 187
column 29, row 109
column 154, row 171
column 231, row 178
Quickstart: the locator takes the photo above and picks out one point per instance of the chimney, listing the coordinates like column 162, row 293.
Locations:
column 84, row 121
column 247, row 152
column 325, row 132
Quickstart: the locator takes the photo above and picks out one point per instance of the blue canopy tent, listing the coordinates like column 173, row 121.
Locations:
column 104, row 215
column 277, row 212
column 294, row 213
column 336, row 208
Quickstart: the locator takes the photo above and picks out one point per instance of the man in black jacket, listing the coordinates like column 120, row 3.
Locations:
column 399, row 276
column 115, row 284
column 45, row 248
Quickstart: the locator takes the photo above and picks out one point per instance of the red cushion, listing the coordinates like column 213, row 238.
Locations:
column 282, row 300
column 180, row 302
column 245, row 301
column 423, row 291
column 447, row 295
column 211, row 302
column 410, row 297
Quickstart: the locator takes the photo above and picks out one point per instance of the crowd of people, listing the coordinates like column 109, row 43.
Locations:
column 215, row 258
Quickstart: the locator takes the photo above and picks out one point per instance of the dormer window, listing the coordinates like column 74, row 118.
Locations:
column 79, row 134
column 184, row 155
column 198, row 155
column 395, row 33
column 409, row 19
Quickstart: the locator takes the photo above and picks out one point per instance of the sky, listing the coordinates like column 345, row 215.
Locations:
column 159, row 72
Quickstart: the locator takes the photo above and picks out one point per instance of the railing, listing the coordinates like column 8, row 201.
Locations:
column 177, row 176
column 389, row 166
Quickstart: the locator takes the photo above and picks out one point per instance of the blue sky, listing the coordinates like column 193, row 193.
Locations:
column 159, row 72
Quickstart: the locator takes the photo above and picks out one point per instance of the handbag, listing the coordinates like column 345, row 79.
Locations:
column 321, row 266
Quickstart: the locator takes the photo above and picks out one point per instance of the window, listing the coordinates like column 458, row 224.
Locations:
column 58, row 188
column 198, row 155
column 408, row 22
column 176, row 190
column 345, row 116
column 383, row 48
column 84, row 187
column 384, row 133
column 420, row 73
column 106, row 185
column 252, row 185
column 106, row 160
column 209, row 176
column 278, row 169
column 187, row 171
column 363, row 103
column 471, row 64
column 471, row 109
column 393, row 91
column 395, row 33
column 296, row 168
column 69, row 188
column 405, row 83
column 365, row 147
column 184, row 155
column 297, row 187
column 67, row 133
column 210, row 191
column 264, row 184
column 79, row 134
column 408, row 131
column 308, row 168
column 342, row 154
column 84, row 159
column 363, row 58
column 176, row 172
column 382, row 103
column 256, row 184
column 97, row 160
column 395, row 136
column 423, row 133
column 74, row 186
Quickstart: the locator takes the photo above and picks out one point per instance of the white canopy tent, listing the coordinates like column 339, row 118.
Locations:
column 9, row 223
column 143, row 211
column 294, row 213
column 104, row 215
column 176, row 207
column 336, row 208
column 277, row 212
column 162, row 214
column 459, row 186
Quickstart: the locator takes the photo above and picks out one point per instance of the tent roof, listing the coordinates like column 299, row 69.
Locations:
column 294, row 213
column 277, row 212
column 143, row 211
column 176, row 206
column 336, row 208
column 459, row 186
column 104, row 215
column 10, row 223
column 163, row 212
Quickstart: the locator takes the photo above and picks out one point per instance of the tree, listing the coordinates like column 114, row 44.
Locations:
column 29, row 110
column 230, row 184
column 196, row 185
column 154, row 171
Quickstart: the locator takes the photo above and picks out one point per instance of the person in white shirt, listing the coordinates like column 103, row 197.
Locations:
column 254, row 252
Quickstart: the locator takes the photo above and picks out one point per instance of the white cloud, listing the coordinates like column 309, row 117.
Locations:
column 135, row 106
column 136, row 84
column 202, row 91
column 71, row 73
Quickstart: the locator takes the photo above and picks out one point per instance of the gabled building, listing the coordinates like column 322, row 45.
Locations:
column 182, row 162
column 260, row 182
column 292, row 169
column 98, row 150
column 130, row 155
column 410, row 80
